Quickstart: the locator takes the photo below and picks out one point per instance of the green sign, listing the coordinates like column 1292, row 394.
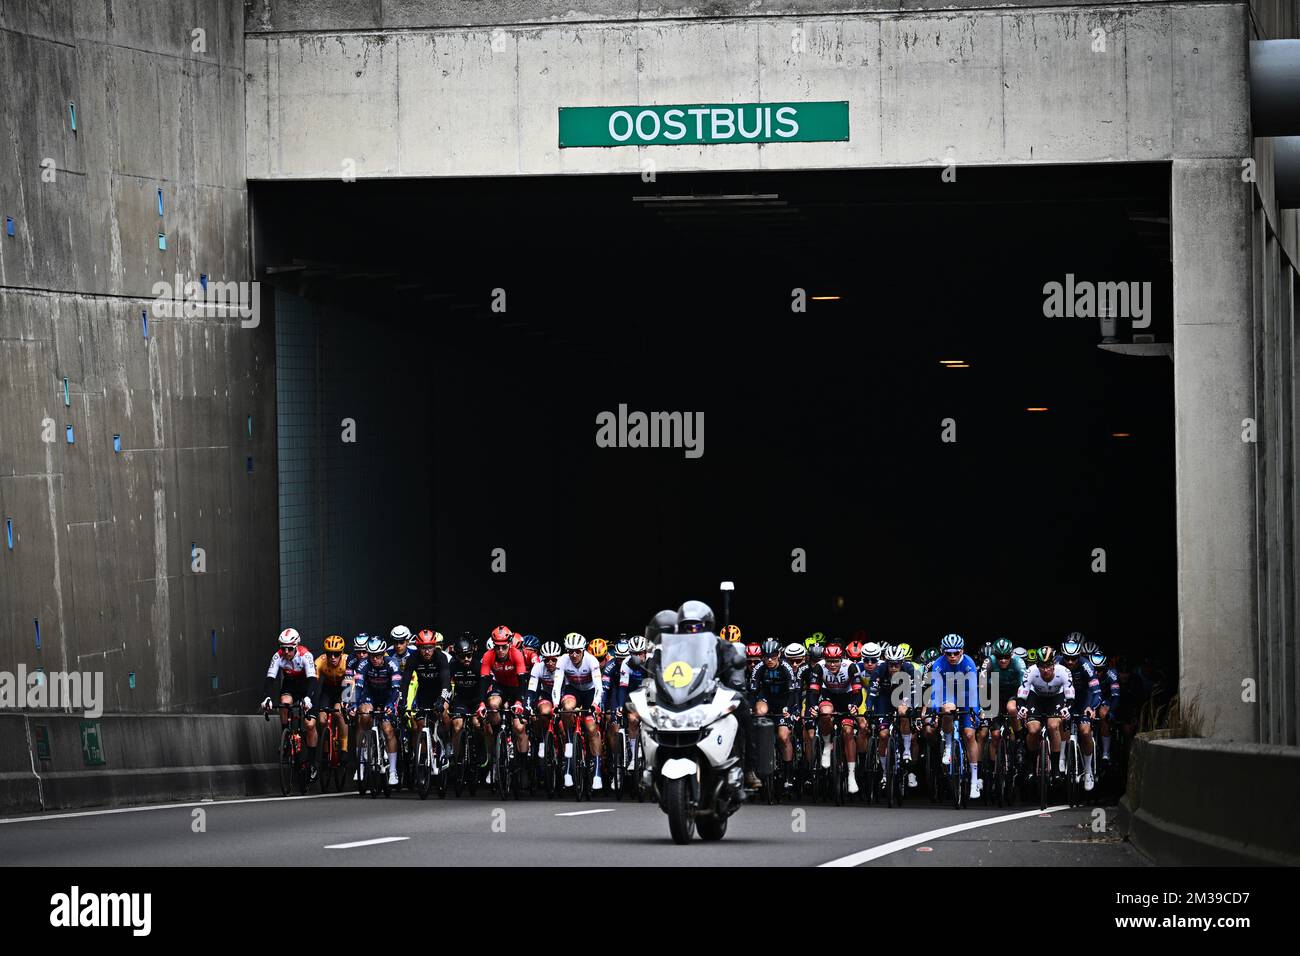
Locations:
column 709, row 124
column 92, row 749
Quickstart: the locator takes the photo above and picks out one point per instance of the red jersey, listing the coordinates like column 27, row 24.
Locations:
column 510, row 671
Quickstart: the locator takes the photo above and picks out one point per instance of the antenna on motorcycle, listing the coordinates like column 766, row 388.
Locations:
column 726, row 587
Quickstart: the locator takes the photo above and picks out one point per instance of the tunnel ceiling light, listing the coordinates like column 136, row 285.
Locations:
column 957, row 365
column 1036, row 408
column 952, row 361
column 1121, row 434
column 826, row 298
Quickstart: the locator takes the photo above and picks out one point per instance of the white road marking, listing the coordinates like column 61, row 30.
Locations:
column 582, row 813
column 348, row 846
column 167, row 806
column 876, row 852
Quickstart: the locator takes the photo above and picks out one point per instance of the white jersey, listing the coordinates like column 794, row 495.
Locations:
column 1060, row 684
column 542, row 680
column 578, row 678
column 301, row 664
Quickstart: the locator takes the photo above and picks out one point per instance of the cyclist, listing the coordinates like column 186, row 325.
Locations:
column 399, row 639
column 506, row 672
column 358, row 651
column 774, row 686
column 665, row 622
column 870, row 671
column 1110, row 698
column 834, row 686
column 1087, row 699
column 336, row 680
column 529, row 645
column 609, row 673
column 898, row 692
column 630, row 676
column 430, row 673
column 579, row 686
column 956, row 685
column 1046, row 694
column 1003, row 674
column 468, row 689
column 296, row 665
column 379, row 684
column 541, row 684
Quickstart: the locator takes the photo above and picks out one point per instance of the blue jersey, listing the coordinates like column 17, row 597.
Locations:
column 880, row 692
column 609, row 674
column 629, row 677
column 380, row 686
column 1087, row 688
column 1109, row 686
column 955, row 683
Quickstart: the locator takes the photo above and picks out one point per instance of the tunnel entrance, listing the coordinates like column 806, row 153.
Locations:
column 474, row 331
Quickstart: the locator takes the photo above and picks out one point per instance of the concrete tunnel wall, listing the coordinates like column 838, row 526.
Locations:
column 101, row 540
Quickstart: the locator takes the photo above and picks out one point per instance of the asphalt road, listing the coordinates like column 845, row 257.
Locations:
column 483, row 831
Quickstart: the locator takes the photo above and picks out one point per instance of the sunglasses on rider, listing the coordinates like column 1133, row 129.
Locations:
column 952, row 653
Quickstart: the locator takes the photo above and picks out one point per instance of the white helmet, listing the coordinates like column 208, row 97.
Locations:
column 289, row 638
column 400, row 633
column 377, row 645
column 871, row 651
column 573, row 641
column 637, row 644
column 551, row 649
column 795, row 652
column 894, row 654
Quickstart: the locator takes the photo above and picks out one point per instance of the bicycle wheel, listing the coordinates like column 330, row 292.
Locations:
column 837, row 762
column 620, row 763
column 1072, row 774
column 286, row 763
column 423, row 765
column 1044, row 771
column 891, row 771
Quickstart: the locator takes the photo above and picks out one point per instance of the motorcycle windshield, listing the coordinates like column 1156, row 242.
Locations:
column 687, row 669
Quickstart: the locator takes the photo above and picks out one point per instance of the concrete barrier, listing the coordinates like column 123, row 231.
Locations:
column 1202, row 802
column 60, row 761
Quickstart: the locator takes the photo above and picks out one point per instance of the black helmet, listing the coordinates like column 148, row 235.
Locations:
column 771, row 647
column 665, row 622
column 694, row 617
column 464, row 645
column 816, row 653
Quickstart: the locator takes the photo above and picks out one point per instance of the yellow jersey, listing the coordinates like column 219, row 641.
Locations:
column 332, row 675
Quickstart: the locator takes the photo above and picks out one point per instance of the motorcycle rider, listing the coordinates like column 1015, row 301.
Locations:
column 696, row 617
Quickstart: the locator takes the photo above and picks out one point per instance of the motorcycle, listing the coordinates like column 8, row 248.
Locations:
column 688, row 729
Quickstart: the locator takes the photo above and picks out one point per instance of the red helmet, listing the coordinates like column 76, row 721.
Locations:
column 833, row 652
column 425, row 639
column 854, row 650
column 501, row 635
column 754, row 651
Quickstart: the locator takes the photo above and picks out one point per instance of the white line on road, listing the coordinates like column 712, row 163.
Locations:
column 167, row 806
column 583, row 813
column 875, row 852
column 348, row 846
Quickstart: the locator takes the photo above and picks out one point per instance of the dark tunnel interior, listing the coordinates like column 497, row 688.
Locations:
column 822, row 429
